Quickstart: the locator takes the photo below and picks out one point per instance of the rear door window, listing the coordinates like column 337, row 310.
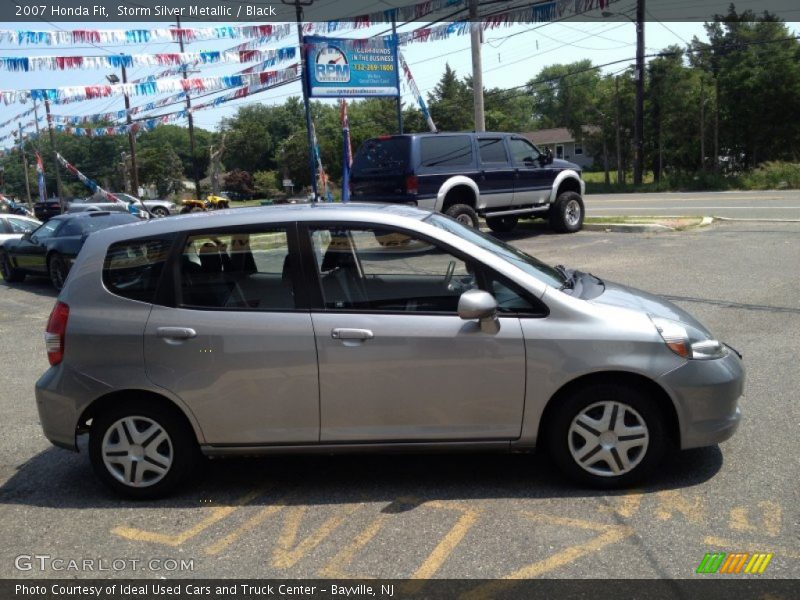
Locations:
column 446, row 151
column 382, row 155
column 238, row 271
column 492, row 151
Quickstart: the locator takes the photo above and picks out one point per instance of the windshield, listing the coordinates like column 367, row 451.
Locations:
column 543, row 272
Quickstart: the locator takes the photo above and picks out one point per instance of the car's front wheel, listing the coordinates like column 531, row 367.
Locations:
column 58, row 269
column 606, row 435
column 159, row 211
column 464, row 214
column 142, row 449
column 567, row 212
column 10, row 274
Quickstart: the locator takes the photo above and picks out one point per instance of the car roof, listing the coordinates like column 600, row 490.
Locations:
column 232, row 217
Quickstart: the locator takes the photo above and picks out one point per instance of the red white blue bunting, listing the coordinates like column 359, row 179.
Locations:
column 142, row 36
column 148, row 88
column 116, row 61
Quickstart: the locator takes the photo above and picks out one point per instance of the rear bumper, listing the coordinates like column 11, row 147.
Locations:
column 57, row 412
column 706, row 393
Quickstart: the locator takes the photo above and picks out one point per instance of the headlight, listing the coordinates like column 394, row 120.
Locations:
column 687, row 341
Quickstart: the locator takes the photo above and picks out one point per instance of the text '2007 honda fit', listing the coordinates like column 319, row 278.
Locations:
column 340, row 328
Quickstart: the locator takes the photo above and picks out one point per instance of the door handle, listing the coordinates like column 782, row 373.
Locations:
column 176, row 333
column 351, row 334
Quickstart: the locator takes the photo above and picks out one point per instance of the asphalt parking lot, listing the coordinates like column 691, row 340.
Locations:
column 474, row 516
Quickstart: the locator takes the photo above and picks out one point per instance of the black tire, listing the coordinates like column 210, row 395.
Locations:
column 58, row 269
column 566, row 214
column 181, row 445
column 159, row 211
column 464, row 214
column 502, row 224
column 10, row 274
column 562, row 440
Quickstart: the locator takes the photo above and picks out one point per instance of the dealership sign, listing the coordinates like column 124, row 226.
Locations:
column 342, row 68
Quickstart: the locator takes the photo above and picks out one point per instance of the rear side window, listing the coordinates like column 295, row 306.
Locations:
column 133, row 268
column 492, row 150
column 446, row 151
column 382, row 155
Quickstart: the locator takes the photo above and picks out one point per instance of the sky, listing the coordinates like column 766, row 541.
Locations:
column 511, row 56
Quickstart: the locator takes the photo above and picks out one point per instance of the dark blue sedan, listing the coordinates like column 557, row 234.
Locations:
column 51, row 248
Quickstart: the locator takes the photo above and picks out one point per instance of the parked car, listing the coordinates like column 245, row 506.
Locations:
column 47, row 209
column 293, row 329
column 499, row 176
column 13, row 227
column 158, row 208
column 51, row 248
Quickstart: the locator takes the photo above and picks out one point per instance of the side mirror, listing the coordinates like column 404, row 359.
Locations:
column 27, row 235
column 477, row 304
column 546, row 157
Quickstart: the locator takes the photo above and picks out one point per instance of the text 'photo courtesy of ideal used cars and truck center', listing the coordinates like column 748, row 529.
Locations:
column 399, row 300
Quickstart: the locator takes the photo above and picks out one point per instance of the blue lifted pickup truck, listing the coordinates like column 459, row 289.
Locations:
column 498, row 176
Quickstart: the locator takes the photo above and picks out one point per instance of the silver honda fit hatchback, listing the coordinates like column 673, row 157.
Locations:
column 342, row 328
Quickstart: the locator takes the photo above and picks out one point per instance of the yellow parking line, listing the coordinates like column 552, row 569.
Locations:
column 283, row 556
column 335, row 568
column 217, row 514
column 611, row 534
column 449, row 542
column 252, row 522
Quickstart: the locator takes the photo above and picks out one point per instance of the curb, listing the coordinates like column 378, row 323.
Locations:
column 627, row 227
column 642, row 227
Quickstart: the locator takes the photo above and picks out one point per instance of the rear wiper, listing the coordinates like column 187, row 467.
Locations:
column 569, row 277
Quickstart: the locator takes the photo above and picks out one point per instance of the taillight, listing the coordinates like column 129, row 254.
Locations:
column 54, row 334
column 412, row 184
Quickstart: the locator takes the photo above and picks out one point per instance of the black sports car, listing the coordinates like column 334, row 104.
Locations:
column 51, row 248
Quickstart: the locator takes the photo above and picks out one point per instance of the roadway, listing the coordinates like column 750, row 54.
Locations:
column 770, row 204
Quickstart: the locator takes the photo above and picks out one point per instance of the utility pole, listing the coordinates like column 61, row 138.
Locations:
column 638, row 126
column 397, row 70
column 131, row 138
column 36, row 116
column 702, row 127
column 298, row 7
column 52, row 134
column 477, row 68
column 25, row 166
column 191, row 119
column 620, row 174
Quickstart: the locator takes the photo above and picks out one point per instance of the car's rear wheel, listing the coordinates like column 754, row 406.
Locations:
column 142, row 449
column 502, row 224
column 606, row 435
column 463, row 213
column 567, row 212
column 58, row 270
column 10, row 274
column 159, row 211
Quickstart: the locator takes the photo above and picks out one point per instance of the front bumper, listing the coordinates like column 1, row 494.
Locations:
column 706, row 395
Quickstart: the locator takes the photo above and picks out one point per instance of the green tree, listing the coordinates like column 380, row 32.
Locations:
column 162, row 167
column 563, row 95
column 451, row 103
